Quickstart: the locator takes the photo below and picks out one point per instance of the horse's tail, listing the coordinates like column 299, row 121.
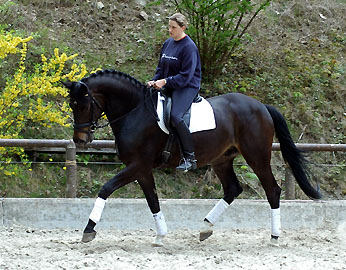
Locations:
column 291, row 154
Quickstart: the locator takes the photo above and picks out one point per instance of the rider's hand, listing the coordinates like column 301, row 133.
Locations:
column 150, row 83
column 160, row 83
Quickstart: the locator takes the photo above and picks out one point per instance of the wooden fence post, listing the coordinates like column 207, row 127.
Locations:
column 71, row 170
column 289, row 184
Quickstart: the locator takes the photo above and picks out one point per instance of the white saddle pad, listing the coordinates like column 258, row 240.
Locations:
column 202, row 115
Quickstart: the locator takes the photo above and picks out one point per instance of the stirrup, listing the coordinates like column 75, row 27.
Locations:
column 187, row 164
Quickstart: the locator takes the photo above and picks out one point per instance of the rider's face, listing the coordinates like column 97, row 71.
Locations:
column 176, row 31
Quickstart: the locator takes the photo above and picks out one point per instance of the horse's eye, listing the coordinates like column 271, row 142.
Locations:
column 73, row 104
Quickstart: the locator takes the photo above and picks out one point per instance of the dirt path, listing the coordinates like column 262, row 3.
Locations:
column 22, row 248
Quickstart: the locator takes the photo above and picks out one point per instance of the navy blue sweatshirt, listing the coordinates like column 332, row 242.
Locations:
column 179, row 64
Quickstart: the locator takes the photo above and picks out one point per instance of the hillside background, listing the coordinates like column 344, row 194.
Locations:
column 294, row 60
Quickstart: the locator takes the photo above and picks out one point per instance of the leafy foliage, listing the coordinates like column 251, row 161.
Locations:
column 218, row 28
column 33, row 98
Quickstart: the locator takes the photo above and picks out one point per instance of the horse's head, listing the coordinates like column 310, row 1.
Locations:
column 86, row 111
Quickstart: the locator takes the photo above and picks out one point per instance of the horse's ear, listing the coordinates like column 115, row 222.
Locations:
column 67, row 84
column 83, row 88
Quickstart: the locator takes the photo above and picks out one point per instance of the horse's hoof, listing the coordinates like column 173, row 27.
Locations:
column 274, row 241
column 274, row 238
column 87, row 237
column 158, row 241
column 205, row 234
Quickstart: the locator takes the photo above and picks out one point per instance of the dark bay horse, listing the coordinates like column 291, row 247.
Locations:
column 244, row 126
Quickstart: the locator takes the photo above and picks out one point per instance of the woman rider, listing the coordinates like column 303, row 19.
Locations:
column 179, row 71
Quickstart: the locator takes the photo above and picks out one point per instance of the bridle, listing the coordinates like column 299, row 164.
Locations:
column 93, row 125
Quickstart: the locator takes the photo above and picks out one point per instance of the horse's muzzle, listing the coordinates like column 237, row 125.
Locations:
column 82, row 138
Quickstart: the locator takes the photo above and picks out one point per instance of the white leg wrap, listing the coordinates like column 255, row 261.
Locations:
column 276, row 222
column 217, row 211
column 160, row 223
column 97, row 210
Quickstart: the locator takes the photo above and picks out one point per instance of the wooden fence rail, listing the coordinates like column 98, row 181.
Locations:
column 108, row 146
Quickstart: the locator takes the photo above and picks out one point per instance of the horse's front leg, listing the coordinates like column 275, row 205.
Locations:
column 148, row 186
column 124, row 177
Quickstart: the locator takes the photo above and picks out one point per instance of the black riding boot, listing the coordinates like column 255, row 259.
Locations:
column 189, row 161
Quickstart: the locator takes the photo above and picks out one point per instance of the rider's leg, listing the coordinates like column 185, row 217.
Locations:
column 181, row 101
column 189, row 161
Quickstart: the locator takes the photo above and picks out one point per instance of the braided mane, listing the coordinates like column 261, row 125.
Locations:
column 117, row 75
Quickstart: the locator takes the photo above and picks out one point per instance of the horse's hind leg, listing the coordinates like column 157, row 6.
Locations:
column 273, row 192
column 260, row 163
column 225, row 172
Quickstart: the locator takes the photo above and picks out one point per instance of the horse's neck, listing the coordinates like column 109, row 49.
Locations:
column 120, row 102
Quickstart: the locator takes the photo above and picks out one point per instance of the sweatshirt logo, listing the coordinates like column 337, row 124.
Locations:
column 169, row 57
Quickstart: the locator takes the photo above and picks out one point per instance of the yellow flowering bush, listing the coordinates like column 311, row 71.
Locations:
column 32, row 98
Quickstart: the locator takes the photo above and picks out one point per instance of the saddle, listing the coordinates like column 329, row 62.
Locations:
column 167, row 108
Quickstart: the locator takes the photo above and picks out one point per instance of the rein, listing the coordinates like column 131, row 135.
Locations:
column 152, row 106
